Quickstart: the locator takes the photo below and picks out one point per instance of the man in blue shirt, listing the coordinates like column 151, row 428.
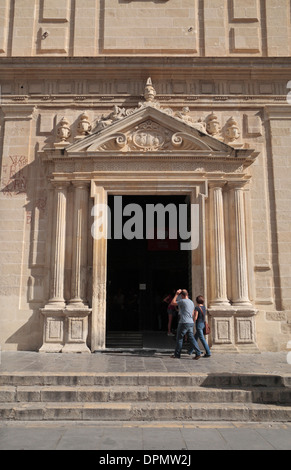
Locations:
column 186, row 323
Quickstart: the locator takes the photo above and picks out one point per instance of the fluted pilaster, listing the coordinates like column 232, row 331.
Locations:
column 79, row 254
column 59, row 242
column 241, row 290
column 218, row 263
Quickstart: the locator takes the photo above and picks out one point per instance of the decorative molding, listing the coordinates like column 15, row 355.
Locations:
column 243, row 12
column 55, row 11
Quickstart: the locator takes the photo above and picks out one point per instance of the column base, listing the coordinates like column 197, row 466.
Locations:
column 76, row 348
column 76, row 329
column 55, row 305
column 243, row 304
column 233, row 329
column 77, row 304
column 223, row 304
column 51, row 348
column 248, row 349
column 65, row 330
column 224, row 348
column 53, row 329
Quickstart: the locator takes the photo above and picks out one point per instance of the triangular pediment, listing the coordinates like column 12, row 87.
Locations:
column 149, row 130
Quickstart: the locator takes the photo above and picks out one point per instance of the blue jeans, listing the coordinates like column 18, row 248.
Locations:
column 183, row 329
column 199, row 335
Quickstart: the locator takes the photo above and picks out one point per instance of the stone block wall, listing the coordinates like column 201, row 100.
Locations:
column 57, row 59
column 89, row 28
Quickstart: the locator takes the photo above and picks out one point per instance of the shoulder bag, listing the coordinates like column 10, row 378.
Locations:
column 206, row 329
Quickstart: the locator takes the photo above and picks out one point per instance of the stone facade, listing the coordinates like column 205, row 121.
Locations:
column 75, row 99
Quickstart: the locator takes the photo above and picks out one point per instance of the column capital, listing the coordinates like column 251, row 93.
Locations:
column 60, row 184
column 81, row 184
column 241, row 184
column 217, row 184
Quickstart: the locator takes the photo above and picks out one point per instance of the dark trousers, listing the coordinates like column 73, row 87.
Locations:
column 183, row 329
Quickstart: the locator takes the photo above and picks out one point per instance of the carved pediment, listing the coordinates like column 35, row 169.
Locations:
column 149, row 130
column 148, row 136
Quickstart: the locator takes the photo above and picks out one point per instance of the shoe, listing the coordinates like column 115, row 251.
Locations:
column 207, row 355
column 170, row 334
column 175, row 357
column 196, row 358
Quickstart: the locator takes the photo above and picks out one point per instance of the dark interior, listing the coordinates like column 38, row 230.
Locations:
column 142, row 272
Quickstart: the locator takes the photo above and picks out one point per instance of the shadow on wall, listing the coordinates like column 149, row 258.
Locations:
column 26, row 183
column 29, row 336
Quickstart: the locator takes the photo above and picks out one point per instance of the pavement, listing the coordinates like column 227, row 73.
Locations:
column 175, row 436
column 145, row 361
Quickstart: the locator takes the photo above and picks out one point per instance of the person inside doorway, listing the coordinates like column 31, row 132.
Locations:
column 131, row 308
column 186, row 324
column 171, row 311
column 118, row 309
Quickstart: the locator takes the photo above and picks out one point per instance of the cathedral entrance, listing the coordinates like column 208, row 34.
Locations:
column 143, row 270
column 167, row 159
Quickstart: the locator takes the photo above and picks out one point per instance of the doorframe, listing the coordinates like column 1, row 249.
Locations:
column 197, row 190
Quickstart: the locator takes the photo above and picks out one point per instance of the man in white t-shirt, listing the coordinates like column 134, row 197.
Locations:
column 186, row 323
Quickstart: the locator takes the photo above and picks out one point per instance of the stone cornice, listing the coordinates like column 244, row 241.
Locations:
column 278, row 112
column 238, row 67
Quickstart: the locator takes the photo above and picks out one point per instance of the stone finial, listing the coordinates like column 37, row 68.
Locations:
column 63, row 132
column 84, row 126
column 232, row 131
column 149, row 91
column 212, row 125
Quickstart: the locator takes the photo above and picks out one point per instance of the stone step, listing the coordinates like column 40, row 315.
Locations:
column 117, row 393
column 122, row 339
column 142, row 378
column 141, row 411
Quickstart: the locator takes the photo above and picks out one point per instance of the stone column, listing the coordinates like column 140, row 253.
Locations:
column 59, row 242
column 240, row 270
column 218, row 263
column 233, row 326
column 77, row 311
column 98, row 338
column 54, row 321
column 80, row 235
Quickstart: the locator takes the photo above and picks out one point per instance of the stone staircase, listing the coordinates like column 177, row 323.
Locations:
column 124, row 340
column 145, row 397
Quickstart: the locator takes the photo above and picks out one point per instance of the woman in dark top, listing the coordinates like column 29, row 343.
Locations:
column 200, row 312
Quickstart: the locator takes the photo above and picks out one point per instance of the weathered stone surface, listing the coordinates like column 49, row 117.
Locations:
column 81, row 119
